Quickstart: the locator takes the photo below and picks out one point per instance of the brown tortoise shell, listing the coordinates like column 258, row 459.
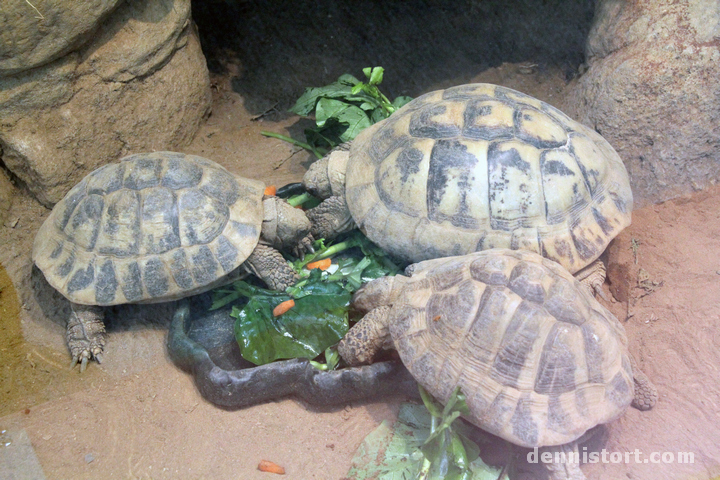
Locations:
column 481, row 166
column 539, row 360
column 152, row 227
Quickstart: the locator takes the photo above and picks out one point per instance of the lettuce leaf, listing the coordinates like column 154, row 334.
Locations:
column 318, row 320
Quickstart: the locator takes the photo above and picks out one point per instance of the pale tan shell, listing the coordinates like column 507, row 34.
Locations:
column 152, row 227
column 482, row 166
column 539, row 359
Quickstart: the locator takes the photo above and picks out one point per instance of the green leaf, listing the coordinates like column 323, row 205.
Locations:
column 354, row 117
column 378, row 115
column 339, row 89
column 222, row 298
column 316, row 322
column 401, row 101
column 337, row 110
column 432, row 406
column 376, row 77
column 315, row 285
column 306, row 200
column 347, row 79
column 332, row 358
column 393, row 453
column 327, row 137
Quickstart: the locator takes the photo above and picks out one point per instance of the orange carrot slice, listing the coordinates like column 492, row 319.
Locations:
column 268, row 466
column 321, row 264
column 270, row 191
column 283, row 307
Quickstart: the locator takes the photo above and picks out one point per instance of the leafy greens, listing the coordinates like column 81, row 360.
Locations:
column 320, row 315
column 342, row 109
column 426, row 443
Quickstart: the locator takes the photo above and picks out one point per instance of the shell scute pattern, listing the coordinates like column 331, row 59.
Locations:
column 144, row 173
column 514, row 330
column 181, row 174
column 105, row 180
column 529, row 281
column 201, row 218
column 160, row 210
column 180, row 270
column 121, row 225
column 130, row 281
column 152, row 227
column 491, row 168
column 523, row 421
column 488, row 120
column 84, row 224
column 106, row 283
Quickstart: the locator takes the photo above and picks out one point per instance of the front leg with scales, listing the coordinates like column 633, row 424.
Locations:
column 85, row 334
column 330, row 218
column 271, row 267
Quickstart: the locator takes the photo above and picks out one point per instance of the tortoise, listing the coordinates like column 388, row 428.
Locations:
column 156, row 227
column 538, row 359
column 475, row 167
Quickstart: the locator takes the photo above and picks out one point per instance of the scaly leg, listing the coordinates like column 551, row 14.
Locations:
column 365, row 340
column 330, row 218
column 565, row 463
column 85, row 334
column 646, row 395
column 271, row 267
column 592, row 277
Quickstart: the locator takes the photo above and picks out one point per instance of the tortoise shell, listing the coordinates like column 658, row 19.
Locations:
column 150, row 228
column 481, row 166
column 539, row 360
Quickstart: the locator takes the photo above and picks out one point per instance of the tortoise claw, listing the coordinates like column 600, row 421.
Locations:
column 304, row 246
column 83, row 357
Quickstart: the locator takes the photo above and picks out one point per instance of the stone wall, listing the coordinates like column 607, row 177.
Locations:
column 653, row 91
column 140, row 83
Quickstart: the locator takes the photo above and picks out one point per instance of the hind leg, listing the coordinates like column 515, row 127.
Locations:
column 592, row 278
column 565, row 464
column 85, row 334
column 646, row 395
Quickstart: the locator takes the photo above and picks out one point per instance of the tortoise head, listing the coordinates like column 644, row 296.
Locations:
column 376, row 293
column 326, row 177
column 284, row 226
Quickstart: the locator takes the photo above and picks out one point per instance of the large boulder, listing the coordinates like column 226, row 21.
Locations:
column 35, row 33
column 141, row 84
column 652, row 91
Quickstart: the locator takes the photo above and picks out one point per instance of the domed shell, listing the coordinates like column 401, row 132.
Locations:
column 482, row 166
column 152, row 227
column 539, row 360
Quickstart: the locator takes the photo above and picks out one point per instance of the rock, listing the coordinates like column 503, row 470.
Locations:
column 141, row 85
column 652, row 91
column 37, row 32
column 6, row 194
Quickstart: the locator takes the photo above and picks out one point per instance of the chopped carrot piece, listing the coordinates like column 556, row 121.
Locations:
column 270, row 190
column 283, row 307
column 268, row 466
column 321, row 264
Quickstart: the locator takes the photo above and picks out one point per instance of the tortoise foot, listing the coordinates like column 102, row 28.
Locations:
column 85, row 335
column 592, row 278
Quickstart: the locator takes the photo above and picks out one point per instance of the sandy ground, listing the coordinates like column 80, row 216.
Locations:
column 137, row 416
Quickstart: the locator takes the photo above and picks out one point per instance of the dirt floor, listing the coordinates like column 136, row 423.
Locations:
column 138, row 416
